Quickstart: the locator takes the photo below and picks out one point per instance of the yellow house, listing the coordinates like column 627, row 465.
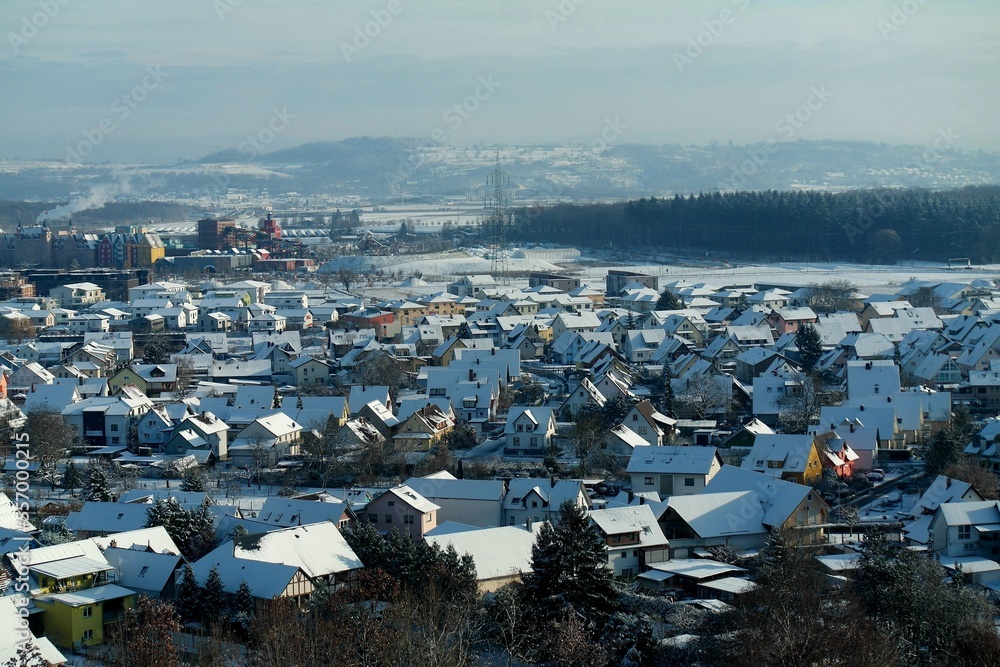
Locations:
column 786, row 456
column 81, row 617
column 72, row 585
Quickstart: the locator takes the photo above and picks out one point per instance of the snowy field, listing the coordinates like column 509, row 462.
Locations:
column 592, row 269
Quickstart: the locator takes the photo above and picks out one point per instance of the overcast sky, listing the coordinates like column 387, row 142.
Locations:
column 200, row 76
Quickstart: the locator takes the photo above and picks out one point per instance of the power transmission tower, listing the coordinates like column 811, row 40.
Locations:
column 497, row 220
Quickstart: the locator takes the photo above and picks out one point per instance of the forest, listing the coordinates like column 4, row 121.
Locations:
column 879, row 226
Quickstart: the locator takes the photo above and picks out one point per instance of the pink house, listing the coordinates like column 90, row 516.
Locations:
column 404, row 509
column 788, row 320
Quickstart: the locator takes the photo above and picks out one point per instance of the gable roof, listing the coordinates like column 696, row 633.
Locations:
column 678, row 460
column 720, row 514
column 496, row 552
column 777, row 497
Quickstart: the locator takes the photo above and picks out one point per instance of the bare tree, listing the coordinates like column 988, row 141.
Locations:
column 51, row 436
column 704, row 396
column 185, row 376
column 804, row 397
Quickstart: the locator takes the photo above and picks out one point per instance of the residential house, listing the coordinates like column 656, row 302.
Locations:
column 633, row 538
column 471, row 502
column 795, row 458
column 529, row 430
column 673, row 470
column 501, row 554
column 531, row 500
column 405, row 510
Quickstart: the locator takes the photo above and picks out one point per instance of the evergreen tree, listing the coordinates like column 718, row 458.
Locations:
column 192, row 480
column 810, row 345
column 244, row 608
column 71, row 477
column 189, row 595
column 569, row 569
column 213, row 597
column 96, row 486
column 192, row 530
column 667, row 406
column 668, row 301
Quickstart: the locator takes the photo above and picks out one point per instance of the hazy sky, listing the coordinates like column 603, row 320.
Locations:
column 167, row 80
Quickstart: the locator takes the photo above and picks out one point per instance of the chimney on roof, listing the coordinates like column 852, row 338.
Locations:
column 642, row 500
column 527, row 523
column 493, row 352
column 868, row 365
column 552, row 481
column 947, row 483
column 861, row 408
column 472, row 375
column 852, row 427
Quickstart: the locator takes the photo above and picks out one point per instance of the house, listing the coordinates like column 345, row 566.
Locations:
column 967, row 529
column 285, row 563
column 145, row 571
column 872, row 379
column 12, row 635
column 836, row 454
column 501, row 554
column 701, row 578
column 425, row 427
column 692, row 523
column 862, row 440
column 309, row 370
column 474, row 286
column 786, row 505
column 96, row 519
column 533, row 500
column 529, row 430
column 405, row 510
column 211, row 430
column 277, row 433
column 795, row 458
column 471, row 502
column 633, row 538
column 650, row 424
column 74, row 587
column 151, row 379
column 106, row 421
column 673, row 470
column 288, row 512
column 942, row 490
column 790, row 320
column 77, row 295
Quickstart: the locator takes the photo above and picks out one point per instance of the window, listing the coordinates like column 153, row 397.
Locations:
column 517, row 441
column 143, row 571
column 88, row 635
column 534, row 503
column 534, row 442
column 114, row 427
column 647, row 480
column 964, row 532
column 642, row 430
column 151, row 423
column 373, row 518
column 689, row 481
column 392, row 503
column 408, row 519
column 388, row 518
column 88, row 612
column 635, row 417
column 114, row 440
column 520, row 428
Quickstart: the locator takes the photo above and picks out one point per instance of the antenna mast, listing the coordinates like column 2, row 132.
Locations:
column 497, row 220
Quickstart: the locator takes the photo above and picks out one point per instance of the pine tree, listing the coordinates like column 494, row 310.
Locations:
column 71, row 477
column 96, row 486
column 569, row 569
column 667, row 405
column 243, row 607
column 192, row 480
column 192, row 530
column 810, row 345
column 213, row 597
column 668, row 301
column 189, row 595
